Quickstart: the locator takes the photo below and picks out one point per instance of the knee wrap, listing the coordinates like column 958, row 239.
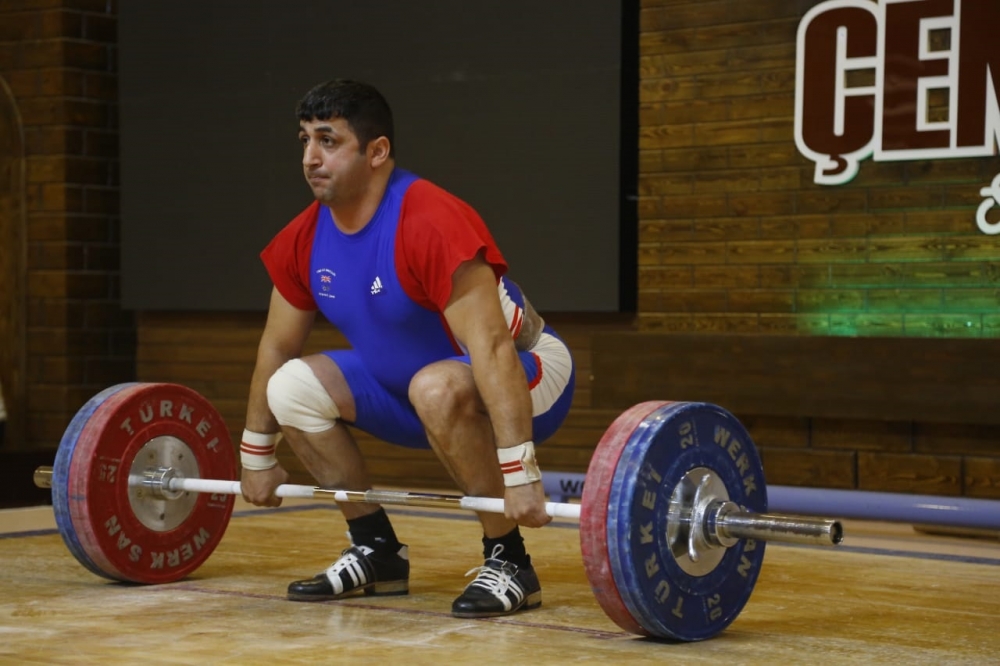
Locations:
column 298, row 400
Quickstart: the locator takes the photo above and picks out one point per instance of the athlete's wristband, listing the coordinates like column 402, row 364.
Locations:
column 257, row 450
column 518, row 465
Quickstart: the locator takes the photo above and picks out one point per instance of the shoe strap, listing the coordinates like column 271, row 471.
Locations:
column 496, row 577
column 350, row 557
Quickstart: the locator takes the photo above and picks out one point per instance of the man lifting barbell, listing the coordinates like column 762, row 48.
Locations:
column 447, row 353
column 673, row 517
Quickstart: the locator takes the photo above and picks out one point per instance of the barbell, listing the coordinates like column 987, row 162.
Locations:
column 673, row 516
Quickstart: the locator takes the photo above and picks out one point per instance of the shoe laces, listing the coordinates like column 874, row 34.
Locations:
column 495, row 575
column 496, row 579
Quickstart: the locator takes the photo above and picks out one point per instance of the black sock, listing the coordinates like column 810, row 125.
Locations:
column 509, row 547
column 374, row 531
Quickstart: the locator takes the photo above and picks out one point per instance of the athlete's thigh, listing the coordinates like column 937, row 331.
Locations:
column 551, row 376
column 376, row 410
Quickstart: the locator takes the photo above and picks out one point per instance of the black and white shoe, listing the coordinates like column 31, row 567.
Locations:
column 357, row 569
column 500, row 588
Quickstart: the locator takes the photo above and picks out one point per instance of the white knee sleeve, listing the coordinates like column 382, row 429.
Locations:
column 298, row 400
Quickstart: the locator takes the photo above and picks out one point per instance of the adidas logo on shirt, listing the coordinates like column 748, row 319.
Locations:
column 377, row 286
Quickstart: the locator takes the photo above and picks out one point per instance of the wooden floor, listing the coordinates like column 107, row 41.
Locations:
column 889, row 595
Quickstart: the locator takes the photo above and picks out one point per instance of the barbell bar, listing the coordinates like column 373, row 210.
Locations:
column 720, row 522
column 673, row 516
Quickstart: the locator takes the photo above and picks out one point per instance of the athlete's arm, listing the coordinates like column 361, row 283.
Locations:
column 531, row 329
column 476, row 319
column 283, row 339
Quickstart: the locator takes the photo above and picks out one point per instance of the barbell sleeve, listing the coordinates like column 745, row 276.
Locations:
column 778, row 527
column 43, row 477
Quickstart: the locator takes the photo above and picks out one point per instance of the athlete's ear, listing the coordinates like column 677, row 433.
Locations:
column 378, row 151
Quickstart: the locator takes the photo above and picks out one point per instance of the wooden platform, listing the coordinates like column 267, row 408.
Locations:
column 889, row 595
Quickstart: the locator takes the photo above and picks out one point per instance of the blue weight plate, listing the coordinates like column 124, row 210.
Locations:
column 60, row 477
column 619, row 522
column 667, row 600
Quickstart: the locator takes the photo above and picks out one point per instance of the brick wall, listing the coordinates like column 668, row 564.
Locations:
column 58, row 59
column 734, row 234
column 12, row 260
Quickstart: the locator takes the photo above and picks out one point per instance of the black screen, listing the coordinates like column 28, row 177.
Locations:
column 512, row 105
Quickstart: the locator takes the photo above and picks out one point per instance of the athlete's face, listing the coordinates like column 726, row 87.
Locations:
column 334, row 165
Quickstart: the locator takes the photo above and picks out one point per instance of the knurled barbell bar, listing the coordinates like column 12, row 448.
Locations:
column 672, row 520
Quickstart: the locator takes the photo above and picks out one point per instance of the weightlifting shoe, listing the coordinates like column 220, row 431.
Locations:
column 500, row 588
column 358, row 568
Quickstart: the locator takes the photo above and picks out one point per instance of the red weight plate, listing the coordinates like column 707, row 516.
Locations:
column 127, row 532
column 79, row 491
column 594, row 514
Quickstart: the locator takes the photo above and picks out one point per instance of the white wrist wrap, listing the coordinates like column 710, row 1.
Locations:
column 257, row 450
column 518, row 465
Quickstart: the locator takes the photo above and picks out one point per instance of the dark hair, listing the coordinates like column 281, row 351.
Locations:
column 361, row 105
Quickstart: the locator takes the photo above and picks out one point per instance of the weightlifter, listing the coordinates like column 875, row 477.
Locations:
column 447, row 353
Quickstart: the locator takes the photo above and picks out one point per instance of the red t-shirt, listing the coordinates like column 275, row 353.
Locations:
column 436, row 233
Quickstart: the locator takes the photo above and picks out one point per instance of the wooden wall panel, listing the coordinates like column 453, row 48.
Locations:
column 910, row 415
column 884, row 379
column 717, row 140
